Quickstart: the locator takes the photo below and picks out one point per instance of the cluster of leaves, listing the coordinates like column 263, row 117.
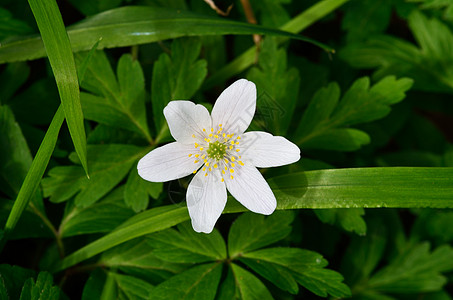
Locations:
column 118, row 227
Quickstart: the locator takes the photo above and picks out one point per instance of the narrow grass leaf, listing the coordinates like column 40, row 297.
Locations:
column 59, row 52
column 34, row 175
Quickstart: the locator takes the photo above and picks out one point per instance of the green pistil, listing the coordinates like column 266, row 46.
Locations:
column 216, row 150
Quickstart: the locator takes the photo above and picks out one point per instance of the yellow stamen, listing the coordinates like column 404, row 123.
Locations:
column 231, row 177
column 215, row 166
column 193, row 135
column 223, row 171
column 196, row 145
column 201, row 148
column 241, row 163
column 210, row 169
column 231, row 171
column 222, row 180
column 204, row 130
column 190, row 154
column 194, row 171
column 196, row 161
column 237, row 150
column 233, row 158
column 232, row 165
column 206, row 174
column 204, row 168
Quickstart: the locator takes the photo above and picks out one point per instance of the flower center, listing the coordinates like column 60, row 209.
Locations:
column 218, row 150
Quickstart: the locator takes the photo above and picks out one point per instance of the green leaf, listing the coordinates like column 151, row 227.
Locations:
column 102, row 216
column 35, row 173
column 416, row 270
column 118, row 102
column 13, row 278
column 137, row 191
column 133, row 25
column 141, row 224
column 272, row 13
column 91, row 7
column 199, row 282
column 59, row 52
column 306, row 267
column 109, row 165
column 130, row 287
column 187, row 246
column 429, row 65
column 278, row 87
column 253, row 231
column 322, row 122
column 176, row 77
column 447, row 5
column 42, row 289
column 349, row 219
column 358, row 187
column 11, row 27
column 137, row 258
column 249, row 287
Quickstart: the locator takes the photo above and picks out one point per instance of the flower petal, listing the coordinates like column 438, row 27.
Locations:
column 251, row 189
column 235, row 107
column 206, row 199
column 264, row 150
column 168, row 162
column 185, row 118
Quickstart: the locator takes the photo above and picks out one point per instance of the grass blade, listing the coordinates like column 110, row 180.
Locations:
column 133, row 25
column 34, row 175
column 404, row 187
column 59, row 52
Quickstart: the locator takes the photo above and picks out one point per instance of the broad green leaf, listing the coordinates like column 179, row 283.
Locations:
column 116, row 101
column 35, row 173
column 249, row 287
column 142, row 224
column 430, row 64
column 416, row 270
column 109, row 165
column 447, row 5
column 176, row 77
column 253, row 231
column 102, row 216
column 228, row 289
column 43, row 288
column 199, row 282
column 129, row 287
column 3, row 291
column 10, row 27
column 297, row 24
column 278, row 88
column 186, row 246
column 434, row 224
column 13, row 278
column 322, row 125
column 133, row 25
column 137, row 257
column 12, row 78
column 137, row 191
column 358, row 187
column 306, row 267
column 349, row 219
column 58, row 50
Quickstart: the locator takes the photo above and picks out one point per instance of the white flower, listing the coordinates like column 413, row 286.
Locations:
column 216, row 149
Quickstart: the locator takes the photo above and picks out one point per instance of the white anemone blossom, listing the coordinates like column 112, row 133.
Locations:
column 216, row 149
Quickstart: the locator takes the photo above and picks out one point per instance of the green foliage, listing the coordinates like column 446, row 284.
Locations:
column 118, row 102
column 430, row 64
column 324, row 123
column 177, row 77
column 367, row 143
column 277, row 88
column 20, row 283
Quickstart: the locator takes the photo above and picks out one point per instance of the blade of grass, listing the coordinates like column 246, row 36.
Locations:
column 134, row 25
column 297, row 24
column 144, row 223
column 336, row 188
column 59, row 52
column 34, row 175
